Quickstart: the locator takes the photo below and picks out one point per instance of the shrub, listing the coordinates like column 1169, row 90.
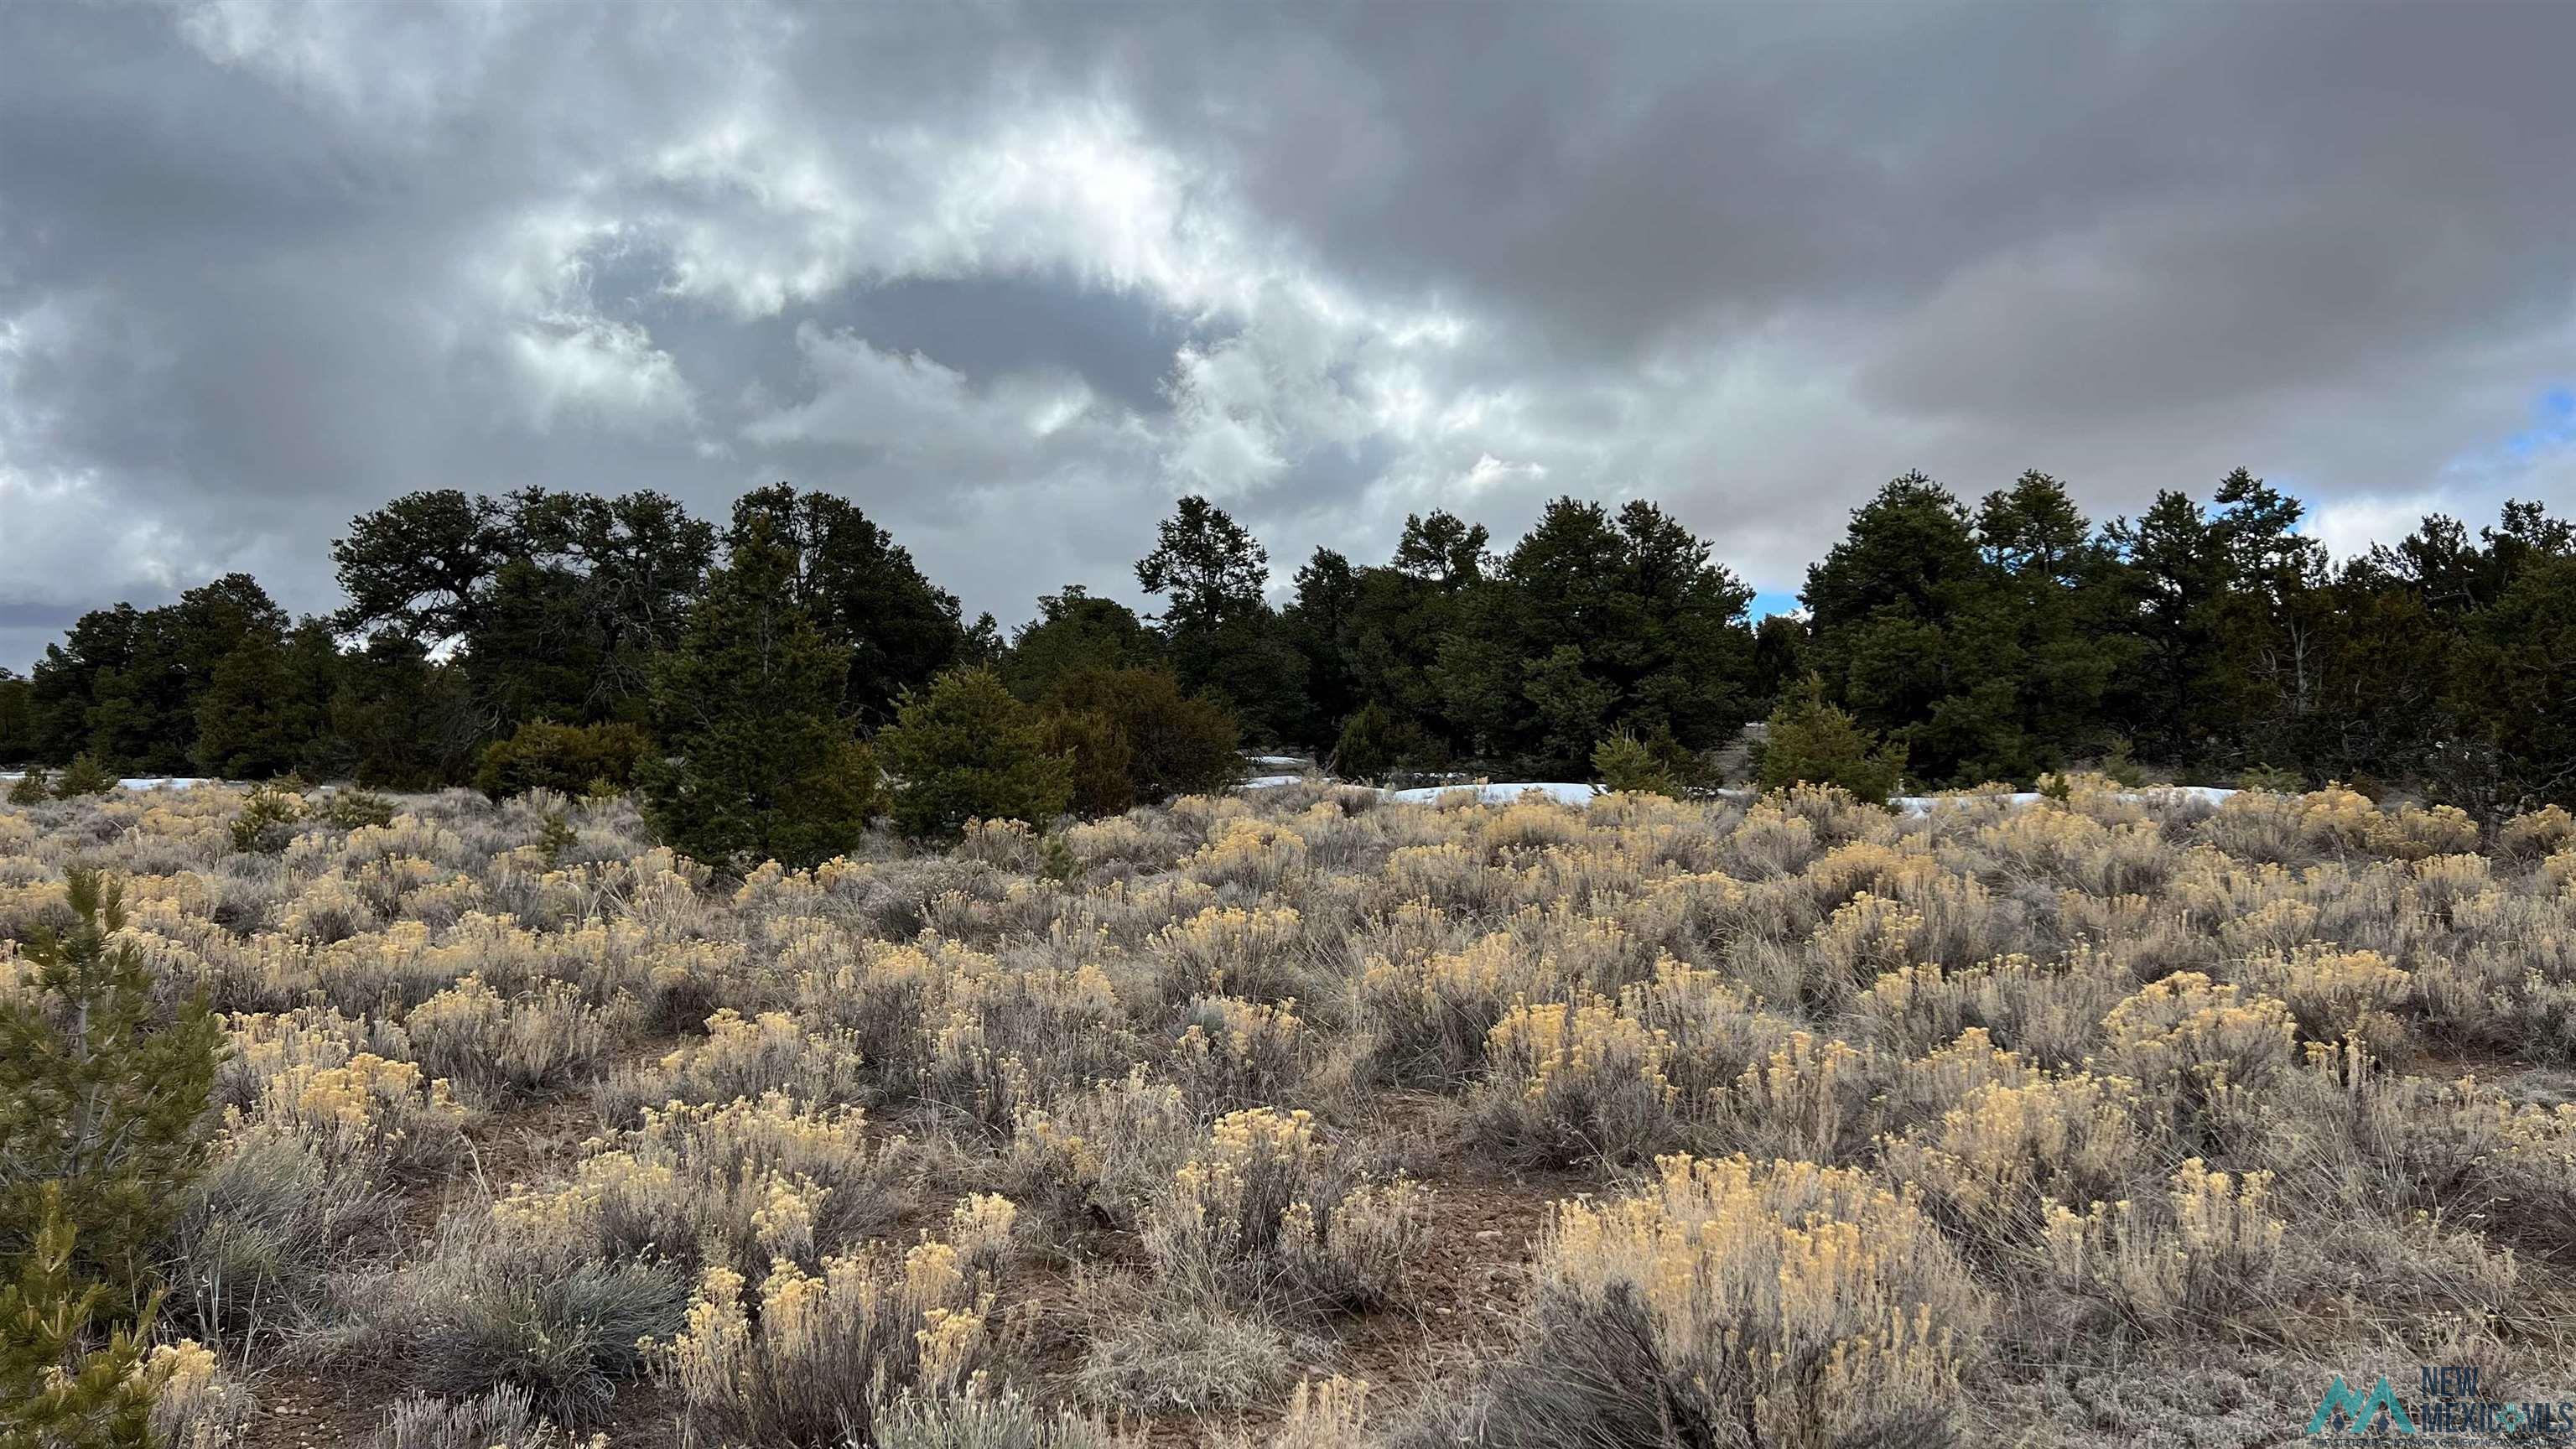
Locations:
column 1791, row 1304
column 569, row 759
column 822, row 1351
column 267, row 820
column 1266, row 1213
column 1375, row 745
column 83, row 776
column 1099, row 761
column 1177, row 743
column 34, row 787
column 1577, row 1082
column 356, row 810
column 983, row 1417
column 1659, row 766
column 532, row 1043
column 2213, row 1245
column 1809, row 741
column 495, row 1310
column 966, row 750
column 504, row 1418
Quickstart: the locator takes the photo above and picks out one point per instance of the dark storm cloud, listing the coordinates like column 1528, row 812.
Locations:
column 1012, row 277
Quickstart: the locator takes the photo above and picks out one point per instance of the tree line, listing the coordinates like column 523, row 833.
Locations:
column 545, row 637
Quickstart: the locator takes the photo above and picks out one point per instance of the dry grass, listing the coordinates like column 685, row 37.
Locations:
column 1190, row 1131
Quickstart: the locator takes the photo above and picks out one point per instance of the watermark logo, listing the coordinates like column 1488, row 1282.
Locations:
column 2452, row 1407
column 2345, row 1409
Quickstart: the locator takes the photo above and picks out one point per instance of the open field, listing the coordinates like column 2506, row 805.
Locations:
column 1308, row 1118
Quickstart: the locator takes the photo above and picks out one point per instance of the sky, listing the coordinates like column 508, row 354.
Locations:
column 1013, row 278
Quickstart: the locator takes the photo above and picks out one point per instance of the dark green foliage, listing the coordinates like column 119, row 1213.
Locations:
column 965, row 749
column 266, row 822
column 1098, row 758
column 1659, row 766
column 1810, row 741
column 101, row 1093
column 17, row 718
column 1072, row 634
column 355, row 809
column 83, row 776
column 1176, row 744
column 759, row 762
column 558, row 602
column 569, row 759
column 1221, row 637
column 32, row 788
column 1374, row 745
column 862, row 592
column 1597, row 622
column 2514, row 685
column 60, row 1386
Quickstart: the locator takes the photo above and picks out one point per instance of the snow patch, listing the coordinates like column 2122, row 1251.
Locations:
column 1503, row 794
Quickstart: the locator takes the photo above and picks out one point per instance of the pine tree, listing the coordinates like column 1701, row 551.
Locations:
column 762, row 766
column 98, row 1094
column 1176, row 743
column 59, row 1387
column 966, row 750
column 83, row 776
column 1810, row 741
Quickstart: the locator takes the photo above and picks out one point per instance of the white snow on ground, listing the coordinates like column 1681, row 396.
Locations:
column 154, row 782
column 1277, row 760
column 2154, row 795
column 1501, row 794
column 1270, row 782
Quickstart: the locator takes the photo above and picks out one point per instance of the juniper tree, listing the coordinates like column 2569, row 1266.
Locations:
column 964, row 749
column 761, row 764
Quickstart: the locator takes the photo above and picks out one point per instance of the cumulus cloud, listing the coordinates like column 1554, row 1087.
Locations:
column 267, row 263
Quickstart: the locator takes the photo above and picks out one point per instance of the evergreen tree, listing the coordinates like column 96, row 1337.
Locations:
column 862, row 591
column 84, row 776
column 2053, row 592
column 1075, row 632
column 1220, row 635
column 17, row 719
column 966, row 750
column 1911, row 634
column 60, row 1386
column 2513, row 688
column 99, row 1096
column 762, row 765
column 1175, row 743
column 1809, row 741
column 1374, row 745
column 1598, row 622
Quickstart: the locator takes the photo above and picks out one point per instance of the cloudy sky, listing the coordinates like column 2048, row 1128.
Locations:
column 1015, row 277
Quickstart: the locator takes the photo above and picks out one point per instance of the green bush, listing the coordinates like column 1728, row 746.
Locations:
column 266, row 822
column 570, row 759
column 1809, row 741
column 1097, row 753
column 31, row 788
column 100, row 1094
column 61, row 1386
column 1177, row 743
column 356, row 809
column 967, row 750
column 1660, row 766
column 83, row 776
column 1375, row 744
